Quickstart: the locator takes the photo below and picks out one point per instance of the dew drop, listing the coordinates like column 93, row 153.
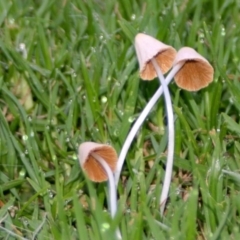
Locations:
column 11, row 21
column 104, row 99
column 32, row 134
column 109, row 78
column 50, row 194
column 135, row 170
column 22, row 47
column 25, row 222
column 118, row 84
column 53, row 121
column 105, row 227
column 201, row 35
column 223, row 32
column 74, row 157
column 217, row 164
column 131, row 119
column 178, row 191
column 25, row 137
column 74, row 75
column 128, row 210
column 116, row 132
column 22, row 173
column 26, row 152
column 67, row 139
column 120, row 112
column 101, row 37
column 133, row 17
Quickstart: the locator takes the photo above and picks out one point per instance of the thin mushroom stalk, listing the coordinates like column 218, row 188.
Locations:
column 112, row 188
column 170, row 149
column 140, row 120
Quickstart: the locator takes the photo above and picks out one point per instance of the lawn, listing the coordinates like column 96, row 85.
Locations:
column 69, row 74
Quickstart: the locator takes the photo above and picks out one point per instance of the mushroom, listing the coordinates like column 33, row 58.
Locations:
column 155, row 58
column 148, row 48
column 196, row 73
column 89, row 155
column 99, row 162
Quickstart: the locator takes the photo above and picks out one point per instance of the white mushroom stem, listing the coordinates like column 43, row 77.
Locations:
column 140, row 120
column 112, row 188
column 170, row 149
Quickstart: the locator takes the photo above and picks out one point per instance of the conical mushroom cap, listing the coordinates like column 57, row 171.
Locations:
column 148, row 48
column 196, row 73
column 90, row 165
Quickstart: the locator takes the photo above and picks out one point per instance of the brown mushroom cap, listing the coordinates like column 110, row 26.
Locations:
column 90, row 165
column 196, row 73
column 148, row 48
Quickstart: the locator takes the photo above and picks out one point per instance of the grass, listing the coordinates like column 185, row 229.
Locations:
column 69, row 74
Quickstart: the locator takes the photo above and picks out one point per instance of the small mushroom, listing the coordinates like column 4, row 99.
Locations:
column 92, row 167
column 99, row 162
column 196, row 72
column 148, row 48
